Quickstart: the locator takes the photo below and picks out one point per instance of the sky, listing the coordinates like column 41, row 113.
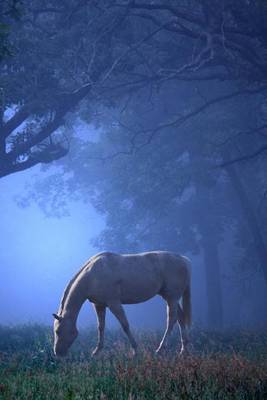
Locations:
column 39, row 254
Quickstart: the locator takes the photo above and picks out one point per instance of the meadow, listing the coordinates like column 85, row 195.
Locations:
column 229, row 365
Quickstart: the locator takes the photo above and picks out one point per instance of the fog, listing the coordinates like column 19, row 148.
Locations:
column 131, row 129
column 39, row 255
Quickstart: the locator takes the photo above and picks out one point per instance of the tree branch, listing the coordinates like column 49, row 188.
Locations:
column 66, row 103
column 15, row 121
column 246, row 157
column 9, row 162
column 37, row 157
column 189, row 17
column 182, row 119
column 175, row 123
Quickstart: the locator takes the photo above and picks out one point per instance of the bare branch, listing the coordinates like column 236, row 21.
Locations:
column 182, row 119
column 131, row 48
column 258, row 129
column 246, row 157
column 189, row 17
column 151, row 133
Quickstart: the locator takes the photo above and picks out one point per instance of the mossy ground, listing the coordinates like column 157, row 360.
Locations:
column 231, row 365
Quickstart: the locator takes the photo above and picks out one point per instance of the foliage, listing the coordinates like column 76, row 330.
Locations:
column 225, row 366
column 10, row 11
column 62, row 51
column 103, row 52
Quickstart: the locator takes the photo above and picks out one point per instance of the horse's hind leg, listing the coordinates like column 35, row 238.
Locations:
column 183, row 331
column 118, row 311
column 172, row 305
column 101, row 314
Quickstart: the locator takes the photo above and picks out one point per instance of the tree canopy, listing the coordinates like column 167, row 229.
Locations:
column 64, row 53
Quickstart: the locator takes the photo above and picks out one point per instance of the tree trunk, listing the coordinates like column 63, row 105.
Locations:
column 251, row 219
column 207, row 225
column 213, row 280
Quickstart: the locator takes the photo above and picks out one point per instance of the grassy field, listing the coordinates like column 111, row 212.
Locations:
column 222, row 366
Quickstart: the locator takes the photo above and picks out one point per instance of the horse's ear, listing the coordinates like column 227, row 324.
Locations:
column 57, row 317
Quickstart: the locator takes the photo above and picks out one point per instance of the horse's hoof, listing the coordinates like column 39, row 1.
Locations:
column 95, row 352
column 159, row 351
column 134, row 352
column 184, row 353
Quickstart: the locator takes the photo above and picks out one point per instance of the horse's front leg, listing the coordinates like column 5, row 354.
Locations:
column 101, row 314
column 118, row 311
column 172, row 305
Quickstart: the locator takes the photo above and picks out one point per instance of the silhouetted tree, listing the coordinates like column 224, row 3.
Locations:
column 102, row 51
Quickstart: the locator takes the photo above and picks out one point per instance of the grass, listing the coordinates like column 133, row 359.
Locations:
column 232, row 365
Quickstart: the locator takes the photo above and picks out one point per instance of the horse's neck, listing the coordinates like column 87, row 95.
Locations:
column 75, row 299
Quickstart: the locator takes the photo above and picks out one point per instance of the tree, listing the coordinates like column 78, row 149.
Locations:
column 226, row 40
column 159, row 195
column 67, row 52
column 64, row 53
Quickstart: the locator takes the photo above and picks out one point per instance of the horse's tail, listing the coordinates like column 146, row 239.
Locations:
column 186, row 299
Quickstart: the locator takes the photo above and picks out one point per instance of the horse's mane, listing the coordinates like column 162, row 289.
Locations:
column 68, row 287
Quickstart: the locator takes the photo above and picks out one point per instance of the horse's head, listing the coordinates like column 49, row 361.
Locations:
column 65, row 332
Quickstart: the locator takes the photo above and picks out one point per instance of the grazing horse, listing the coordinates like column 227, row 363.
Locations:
column 110, row 280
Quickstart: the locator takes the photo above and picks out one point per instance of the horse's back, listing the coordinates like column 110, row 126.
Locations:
column 139, row 277
column 164, row 265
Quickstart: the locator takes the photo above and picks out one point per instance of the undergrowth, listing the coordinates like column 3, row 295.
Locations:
column 229, row 365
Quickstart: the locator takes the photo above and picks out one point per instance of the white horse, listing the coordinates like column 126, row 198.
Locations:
column 110, row 280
